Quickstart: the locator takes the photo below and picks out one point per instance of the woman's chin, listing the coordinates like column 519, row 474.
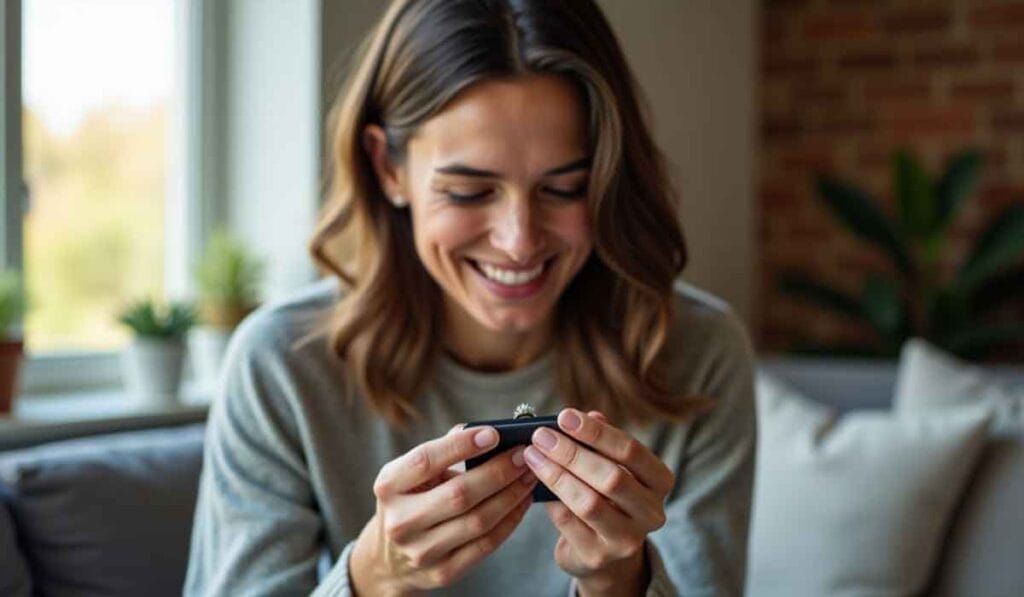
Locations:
column 517, row 324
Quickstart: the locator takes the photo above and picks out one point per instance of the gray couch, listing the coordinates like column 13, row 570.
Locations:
column 111, row 514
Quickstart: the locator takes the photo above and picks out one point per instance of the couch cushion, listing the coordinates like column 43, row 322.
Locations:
column 984, row 553
column 853, row 505
column 14, row 577
column 108, row 515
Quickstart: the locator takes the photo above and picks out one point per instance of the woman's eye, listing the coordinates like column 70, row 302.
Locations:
column 466, row 198
column 574, row 193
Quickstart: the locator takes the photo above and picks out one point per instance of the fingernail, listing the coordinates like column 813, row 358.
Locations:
column 545, row 439
column 485, row 437
column 570, row 420
column 517, row 457
column 533, row 456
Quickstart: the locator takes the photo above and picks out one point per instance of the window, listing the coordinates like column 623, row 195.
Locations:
column 110, row 105
column 97, row 80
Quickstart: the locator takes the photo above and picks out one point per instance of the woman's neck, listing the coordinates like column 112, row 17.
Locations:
column 481, row 349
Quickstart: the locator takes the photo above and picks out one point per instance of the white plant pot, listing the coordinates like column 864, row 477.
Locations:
column 152, row 371
column 207, row 346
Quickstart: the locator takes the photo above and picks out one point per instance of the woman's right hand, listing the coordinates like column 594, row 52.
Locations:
column 432, row 523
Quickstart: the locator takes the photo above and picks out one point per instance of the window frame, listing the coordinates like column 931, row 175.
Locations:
column 194, row 187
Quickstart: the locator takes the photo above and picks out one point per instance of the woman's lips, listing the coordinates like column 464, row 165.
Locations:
column 519, row 291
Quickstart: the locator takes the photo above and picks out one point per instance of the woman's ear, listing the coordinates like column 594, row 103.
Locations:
column 388, row 176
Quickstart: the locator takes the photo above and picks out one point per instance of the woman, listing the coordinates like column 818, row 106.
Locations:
column 516, row 241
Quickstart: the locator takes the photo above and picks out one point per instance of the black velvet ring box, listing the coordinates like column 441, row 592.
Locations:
column 512, row 433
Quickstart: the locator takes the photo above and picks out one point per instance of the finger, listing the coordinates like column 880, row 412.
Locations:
column 597, row 415
column 462, row 558
column 432, row 483
column 618, row 445
column 429, row 459
column 583, row 540
column 439, row 541
column 590, row 506
column 604, row 476
column 458, row 495
column 575, row 531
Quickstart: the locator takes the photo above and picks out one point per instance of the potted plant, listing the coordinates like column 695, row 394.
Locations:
column 963, row 313
column 228, row 277
column 12, row 307
column 152, row 363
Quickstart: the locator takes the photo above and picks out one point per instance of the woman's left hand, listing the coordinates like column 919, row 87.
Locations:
column 612, row 490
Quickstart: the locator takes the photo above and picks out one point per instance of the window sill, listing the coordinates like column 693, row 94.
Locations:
column 39, row 418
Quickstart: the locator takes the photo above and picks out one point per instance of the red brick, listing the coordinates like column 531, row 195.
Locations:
column 897, row 90
column 845, row 124
column 809, row 234
column 918, row 20
column 909, row 123
column 1008, row 121
column 995, row 198
column 838, row 25
column 782, row 65
column 774, row 128
column 788, row 4
column 1011, row 52
column 999, row 15
column 947, row 56
column 773, row 197
column 807, row 159
column 816, row 93
column 985, row 90
column 867, row 60
column 773, row 31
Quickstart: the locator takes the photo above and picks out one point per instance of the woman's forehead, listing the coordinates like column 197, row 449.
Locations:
column 535, row 120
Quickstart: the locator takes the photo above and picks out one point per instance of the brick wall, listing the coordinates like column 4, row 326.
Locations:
column 845, row 82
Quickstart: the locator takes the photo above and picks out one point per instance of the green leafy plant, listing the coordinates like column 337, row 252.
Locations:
column 147, row 319
column 962, row 313
column 227, row 273
column 12, row 301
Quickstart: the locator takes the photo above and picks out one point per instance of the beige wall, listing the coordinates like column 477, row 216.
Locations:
column 695, row 61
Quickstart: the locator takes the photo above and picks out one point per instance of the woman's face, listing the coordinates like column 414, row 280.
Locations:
column 497, row 185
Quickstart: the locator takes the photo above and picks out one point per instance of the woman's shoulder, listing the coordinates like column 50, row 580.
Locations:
column 286, row 324
column 701, row 316
column 706, row 336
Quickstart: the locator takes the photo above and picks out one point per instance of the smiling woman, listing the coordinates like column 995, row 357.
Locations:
column 491, row 224
column 513, row 124
column 516, row 241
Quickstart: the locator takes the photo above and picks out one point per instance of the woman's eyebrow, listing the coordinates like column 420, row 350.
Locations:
column 464, row 170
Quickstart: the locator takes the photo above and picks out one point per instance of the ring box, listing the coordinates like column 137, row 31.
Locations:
column 512, row 433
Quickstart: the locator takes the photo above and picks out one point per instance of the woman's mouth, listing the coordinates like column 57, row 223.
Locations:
column 512, row 283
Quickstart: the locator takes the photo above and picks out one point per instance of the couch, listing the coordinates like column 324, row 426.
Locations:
column 111, row 514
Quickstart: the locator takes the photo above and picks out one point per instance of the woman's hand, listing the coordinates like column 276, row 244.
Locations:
column 613, row 494
column 432, row 523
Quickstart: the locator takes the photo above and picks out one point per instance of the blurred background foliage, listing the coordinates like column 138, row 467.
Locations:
column 963, row 312
column 94, row 233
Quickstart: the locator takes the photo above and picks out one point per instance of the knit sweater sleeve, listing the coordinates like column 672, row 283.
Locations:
column 702, row 546
column 257, row 529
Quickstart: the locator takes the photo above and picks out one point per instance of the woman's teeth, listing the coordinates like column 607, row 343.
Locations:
column 509, row 278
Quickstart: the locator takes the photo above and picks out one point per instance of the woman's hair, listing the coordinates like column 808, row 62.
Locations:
column 613, row 318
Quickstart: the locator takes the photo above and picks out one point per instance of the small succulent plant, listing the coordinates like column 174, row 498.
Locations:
column 148, row 319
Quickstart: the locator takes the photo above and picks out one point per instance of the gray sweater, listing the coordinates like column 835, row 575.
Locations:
column 290, row 460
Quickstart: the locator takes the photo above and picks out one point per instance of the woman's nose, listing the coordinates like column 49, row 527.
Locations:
column 514, row 230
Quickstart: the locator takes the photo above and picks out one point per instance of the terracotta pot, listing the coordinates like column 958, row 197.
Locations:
column 11, row 352
column 225, row 315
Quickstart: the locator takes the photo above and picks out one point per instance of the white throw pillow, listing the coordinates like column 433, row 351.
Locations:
column 853, row 505
column 984, row 552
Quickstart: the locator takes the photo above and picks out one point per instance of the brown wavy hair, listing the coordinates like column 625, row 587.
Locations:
column 613, row 318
